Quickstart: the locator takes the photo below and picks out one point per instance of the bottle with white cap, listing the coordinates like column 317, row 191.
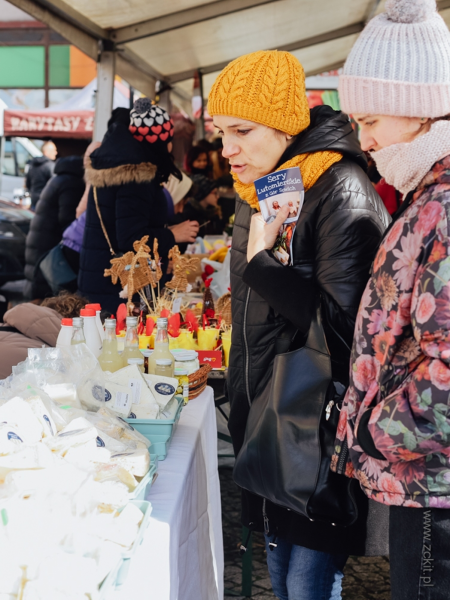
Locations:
column 93, row 340
column 65, row 334
column 109, row 359
column 77, row 332
column 98, row 321
column 131, row 349
column 161, row 351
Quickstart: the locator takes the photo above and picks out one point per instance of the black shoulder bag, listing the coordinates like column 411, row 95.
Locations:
column 290, row 436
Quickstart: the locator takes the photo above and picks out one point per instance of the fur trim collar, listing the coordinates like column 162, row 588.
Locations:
column 141, row 173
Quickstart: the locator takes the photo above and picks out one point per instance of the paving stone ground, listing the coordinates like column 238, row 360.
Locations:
column 365, row 578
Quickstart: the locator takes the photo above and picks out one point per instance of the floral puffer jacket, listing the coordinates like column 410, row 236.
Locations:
column 400, row 363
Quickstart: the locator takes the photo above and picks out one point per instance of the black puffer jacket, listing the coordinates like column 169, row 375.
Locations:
column 40, row 170
column 337, row 234
column 54, row 212
column 131, row 204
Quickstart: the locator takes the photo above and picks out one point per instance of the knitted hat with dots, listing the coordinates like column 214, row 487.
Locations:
column 400, row 64
column 266, row 87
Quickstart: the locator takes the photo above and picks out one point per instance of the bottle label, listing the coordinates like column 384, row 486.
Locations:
column 122, row 401
column 135, row 389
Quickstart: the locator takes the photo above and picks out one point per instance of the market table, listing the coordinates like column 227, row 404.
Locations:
column 181, row 557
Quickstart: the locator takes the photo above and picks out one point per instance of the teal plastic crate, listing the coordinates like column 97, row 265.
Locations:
column 109, row 583
column 159, row 431
column 122, row 573
column 145, row 483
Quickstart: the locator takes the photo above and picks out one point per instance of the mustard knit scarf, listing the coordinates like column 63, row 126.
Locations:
column 311, row 167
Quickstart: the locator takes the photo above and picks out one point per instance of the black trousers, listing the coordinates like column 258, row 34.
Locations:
column 419, row 542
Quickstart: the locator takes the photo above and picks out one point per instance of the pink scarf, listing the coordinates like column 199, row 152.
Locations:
column 405, row 165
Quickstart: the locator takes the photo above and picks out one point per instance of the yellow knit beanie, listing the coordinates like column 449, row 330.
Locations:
column 266, row 87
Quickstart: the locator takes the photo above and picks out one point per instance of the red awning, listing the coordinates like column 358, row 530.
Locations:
column 78, row 124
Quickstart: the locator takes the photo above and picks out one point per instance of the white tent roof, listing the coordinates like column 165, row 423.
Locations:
column 170, row 40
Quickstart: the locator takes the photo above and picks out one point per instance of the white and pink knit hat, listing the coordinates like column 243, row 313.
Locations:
column 400, row 64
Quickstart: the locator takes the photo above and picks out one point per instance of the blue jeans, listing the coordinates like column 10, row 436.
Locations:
column 298, row 573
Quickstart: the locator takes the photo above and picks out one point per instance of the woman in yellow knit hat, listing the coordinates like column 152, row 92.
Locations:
column 259, row 106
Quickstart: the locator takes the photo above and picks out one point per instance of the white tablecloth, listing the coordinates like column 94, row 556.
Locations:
column 181, row 557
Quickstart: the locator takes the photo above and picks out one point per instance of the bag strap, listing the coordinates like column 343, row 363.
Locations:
column 316, row 339
column 105, row 233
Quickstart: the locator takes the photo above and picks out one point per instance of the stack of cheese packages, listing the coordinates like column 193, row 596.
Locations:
column 66, row 475
column 136, row 396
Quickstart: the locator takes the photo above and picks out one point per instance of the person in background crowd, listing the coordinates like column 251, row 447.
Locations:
column 197, row 162
column 336, row 238
column 126, row 200
column 220, row 164
column 203, row 207
column 54, row 212
column 72, row 237
column 227, row 196
column 39, row 171
column 394, row 428
column 179, row 192
column 32, row 326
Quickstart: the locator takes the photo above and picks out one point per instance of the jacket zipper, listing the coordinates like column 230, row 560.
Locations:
column 265, row 518
column 343, row 455
column 247, row 384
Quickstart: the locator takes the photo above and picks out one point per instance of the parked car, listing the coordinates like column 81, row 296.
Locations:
column 14, row 226
column 17, row 153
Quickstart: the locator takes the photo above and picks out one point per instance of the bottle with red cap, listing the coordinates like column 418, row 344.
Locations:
column 93, row 340
column 98, row 321
column 65, row 335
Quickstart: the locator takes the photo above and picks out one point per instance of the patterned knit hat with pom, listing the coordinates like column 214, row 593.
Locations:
column 150, row 122
column 400, row 64
column 266, row 87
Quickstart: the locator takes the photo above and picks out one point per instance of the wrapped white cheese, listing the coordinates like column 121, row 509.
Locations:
column 28, row 457
column 10, row 439
column 111, row 472
column 118, row 398
column 144, row 405
column 44, row 416
column 69, row 437
column 18, row 413
column 162, row 388
column 103, row 440
column 64, row 394
column 137, row 463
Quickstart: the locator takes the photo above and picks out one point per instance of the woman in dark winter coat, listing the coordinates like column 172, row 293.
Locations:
column 338, row 231
column 126, row 174
column 54, row 212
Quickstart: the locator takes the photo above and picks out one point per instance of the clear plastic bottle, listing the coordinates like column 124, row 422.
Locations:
column 109, row 359
column 161, row 348
column 131, row 349
column 77, row 332
column 139, row 362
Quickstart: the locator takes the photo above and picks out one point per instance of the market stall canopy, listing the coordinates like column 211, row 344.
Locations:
column 169, row 41
column 74, row 118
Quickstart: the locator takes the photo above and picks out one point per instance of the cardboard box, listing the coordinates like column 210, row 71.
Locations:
column 210, row 357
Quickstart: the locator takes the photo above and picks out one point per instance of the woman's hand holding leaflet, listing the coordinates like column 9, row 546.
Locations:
column 262, row 235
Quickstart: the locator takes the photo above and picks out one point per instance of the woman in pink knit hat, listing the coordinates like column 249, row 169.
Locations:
column 394, row 430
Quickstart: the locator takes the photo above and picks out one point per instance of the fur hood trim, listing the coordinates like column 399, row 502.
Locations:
column 141, row 173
